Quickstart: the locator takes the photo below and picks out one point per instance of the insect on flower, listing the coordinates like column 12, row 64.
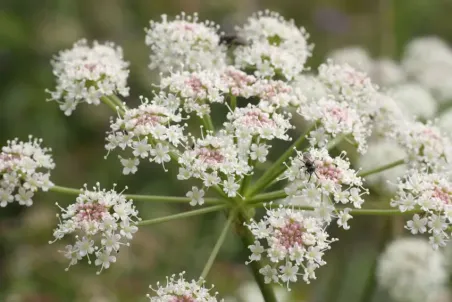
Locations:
column 309, row 165
column 231, row 40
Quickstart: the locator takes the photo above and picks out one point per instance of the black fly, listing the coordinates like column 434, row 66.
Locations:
column 309, row 164
column 232, row 40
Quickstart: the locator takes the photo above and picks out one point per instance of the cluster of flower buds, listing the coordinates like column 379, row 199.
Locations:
column 184, row 44
column 85, row 74
column 180, row 290
column 275, row 48
column 24, row 168
column 292, row 240
column 149, row 130
column 102, row 221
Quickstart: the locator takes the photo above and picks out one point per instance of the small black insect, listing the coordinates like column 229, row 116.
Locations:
column 309, row 164
column 232, row 40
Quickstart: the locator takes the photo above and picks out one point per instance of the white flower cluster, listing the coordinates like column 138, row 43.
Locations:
column 275, row 47
column 216, row 161
column 85, row 74
column 432, row 195
column 411, row 271
column 382, row 71
column 24, row 168
column 428, row 60
column 334, row 118
column 354, row 88
column 184, row 44
column 424, row 144
column 291, row 240
column 102, row 221
column 322, row 181
column 180, row 290
column 197, row 89
column 149, row 130
column 414, row 100
column 250, row 123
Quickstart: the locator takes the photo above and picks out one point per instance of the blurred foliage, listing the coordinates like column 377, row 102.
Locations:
column 32, row 31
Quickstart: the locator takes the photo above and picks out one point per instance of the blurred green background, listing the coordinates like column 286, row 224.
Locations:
column 32, row 31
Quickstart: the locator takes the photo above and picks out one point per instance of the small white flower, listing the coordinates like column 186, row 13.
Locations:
column 256, row 249
column 130, row 165
column 417, row 225
column 196, row 196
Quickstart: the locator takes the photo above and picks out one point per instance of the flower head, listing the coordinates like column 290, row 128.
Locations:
column 276, row 47
column 24, row 168
column 414, row 100
column 354, row 56
column 196, row 90
column 411, row 271
column 180, row 290
column 251, row 121
column 425, row 144
column 213, row 159
column 184, row 44
column 331, row 182
column 147, row 131
column 102, row 221
column 349, row 85
column 431, row 194
column 86, row 73
column 292, row 241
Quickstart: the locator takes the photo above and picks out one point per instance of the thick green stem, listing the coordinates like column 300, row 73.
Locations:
column 65, row 190
column 278, row 166
column 271, row 196
column 217, row 246
column 184, row 215
column 107, row 101
column 118, row 101
column 371, row 282
column 382, row 168
column 207, row 122
column 233, row 102
column 152, row 198
column 248, row 239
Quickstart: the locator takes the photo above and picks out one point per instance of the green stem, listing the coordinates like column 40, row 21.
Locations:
column 278, row 166
column 170, row 199
column 107, row 101
column 207, row 122
column 356, row 212
column 233, row 102
column 65, row 190
column 184, row 215
column 382, row 168
column 118, row 101
column 248, row 239
column 271, row 196
column 371, row 281
column 217, row 246
column 152, row 198
column 333, row 143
